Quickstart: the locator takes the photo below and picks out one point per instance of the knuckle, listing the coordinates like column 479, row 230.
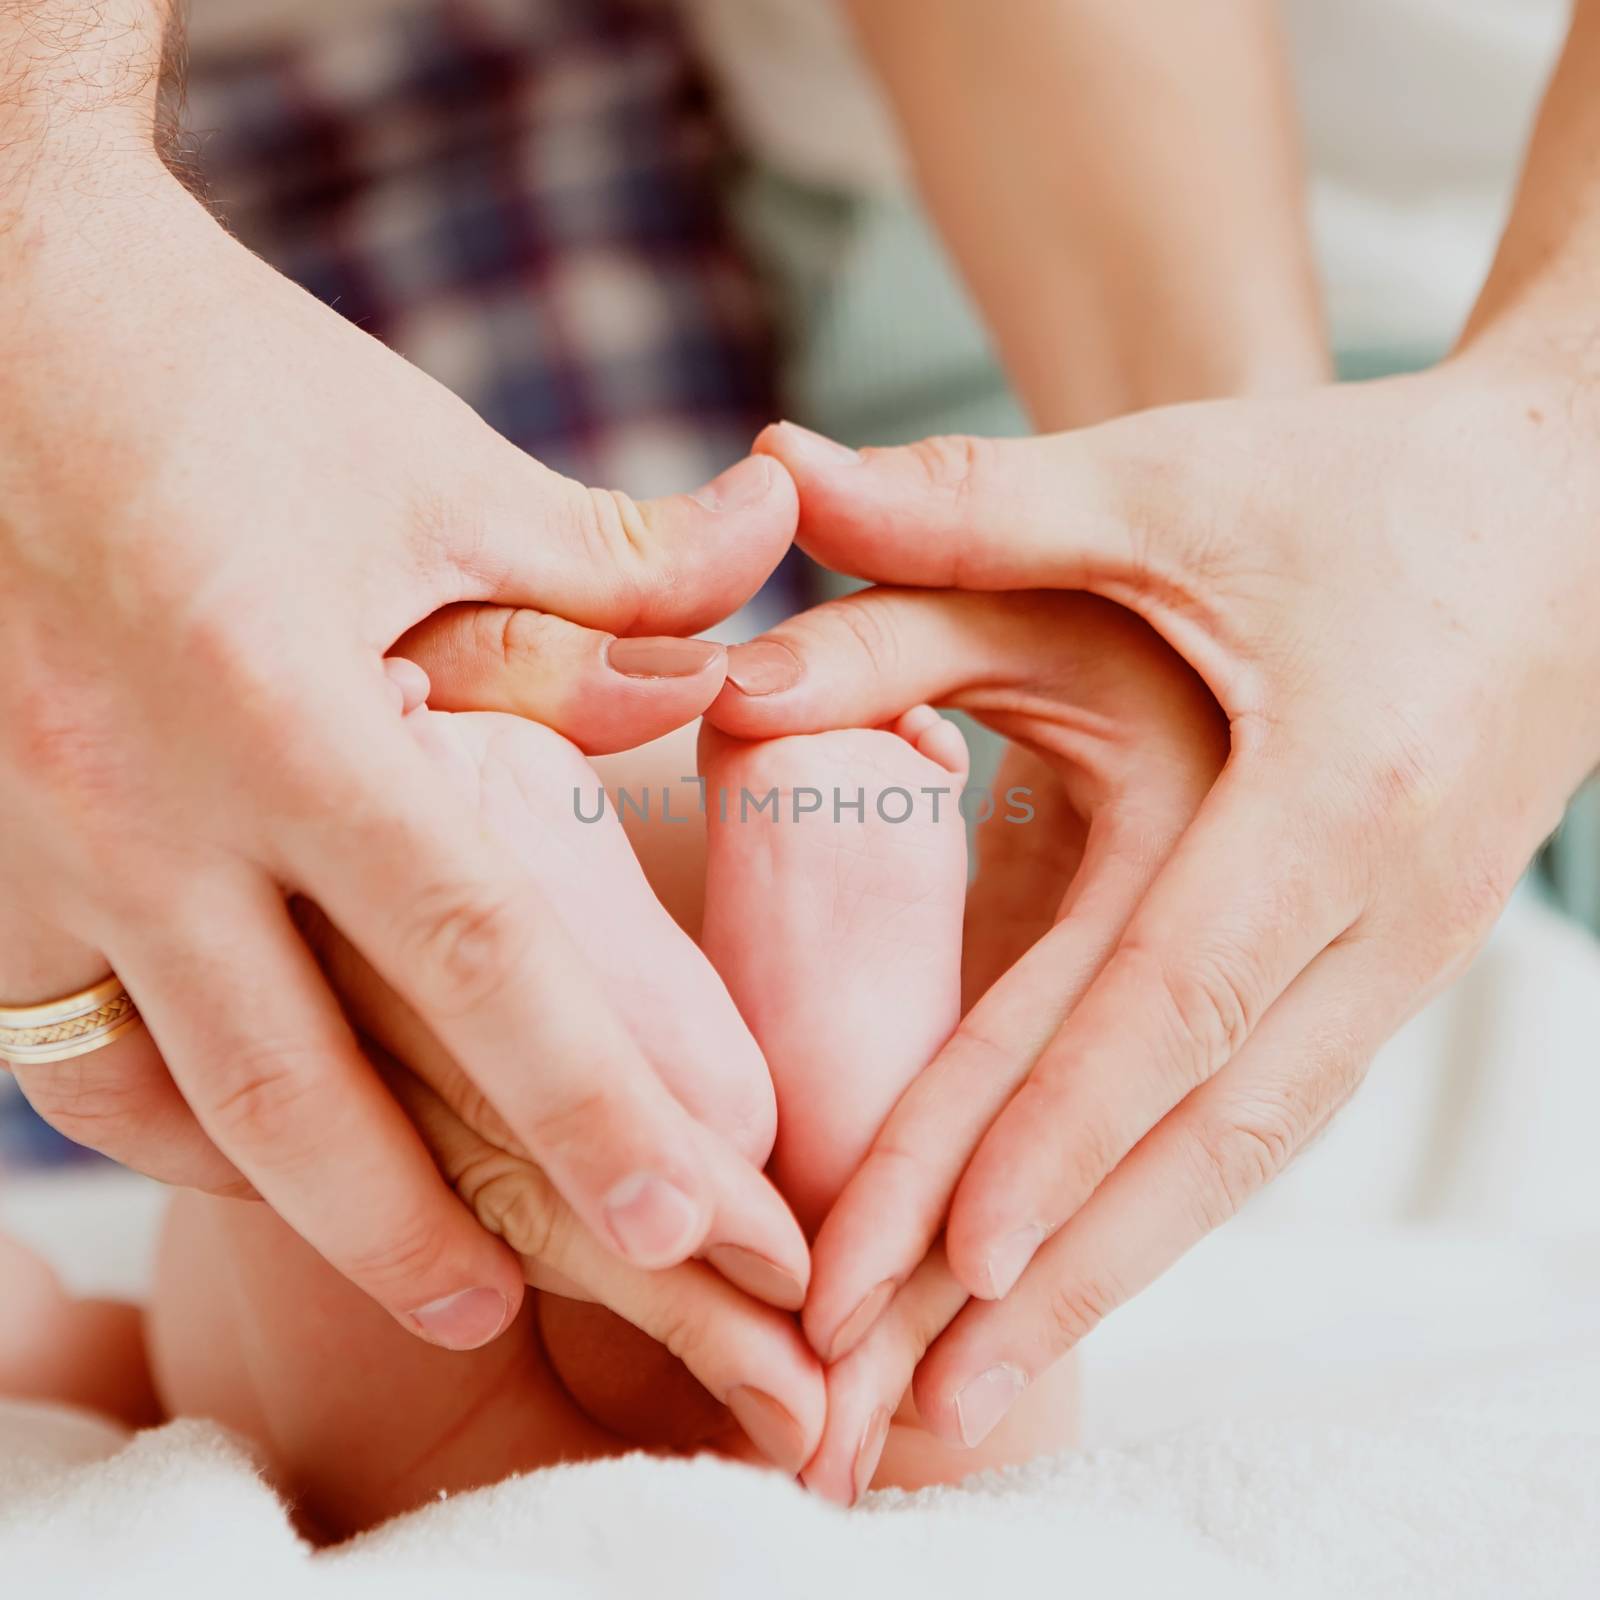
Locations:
column 267, row 1096
column 1240, row 1154
column 612, row 528
column 681, row 1331
column 952, row 464
column 522, row 638
column 1091, row 1154
column 571, row 1125
column 464, row 946
column 408, row 1251
column 1208, row 1004
column 1078, row 1306
column 869, row 622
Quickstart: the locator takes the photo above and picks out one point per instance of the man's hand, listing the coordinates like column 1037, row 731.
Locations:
column 220, row 505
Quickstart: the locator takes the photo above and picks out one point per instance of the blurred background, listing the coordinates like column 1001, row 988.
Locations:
column 630, row 232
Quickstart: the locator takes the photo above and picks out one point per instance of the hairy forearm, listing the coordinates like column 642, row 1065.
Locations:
column 1541, row 302
column 79, row 81
column 1121, row 186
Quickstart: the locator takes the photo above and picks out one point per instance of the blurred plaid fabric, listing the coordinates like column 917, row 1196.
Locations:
column 524, row 197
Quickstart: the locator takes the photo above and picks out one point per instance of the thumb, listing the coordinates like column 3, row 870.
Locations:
column 600, row 558
column 963, row 512
column 864, row 659
column 601, row 692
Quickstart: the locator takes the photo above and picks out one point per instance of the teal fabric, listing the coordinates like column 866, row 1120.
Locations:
column 882, row 345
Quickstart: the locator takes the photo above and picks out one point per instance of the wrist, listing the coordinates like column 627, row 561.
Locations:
column 79, row 96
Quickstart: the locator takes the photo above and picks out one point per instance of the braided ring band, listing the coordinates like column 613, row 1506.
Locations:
column 32, row 1036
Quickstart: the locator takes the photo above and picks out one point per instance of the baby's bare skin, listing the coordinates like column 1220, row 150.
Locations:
column 840, row 942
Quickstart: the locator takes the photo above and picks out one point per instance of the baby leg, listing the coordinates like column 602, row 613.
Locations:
column 835, row 887
column 54, row 1347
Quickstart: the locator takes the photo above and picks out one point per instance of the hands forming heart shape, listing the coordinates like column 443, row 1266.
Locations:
column 839, row 935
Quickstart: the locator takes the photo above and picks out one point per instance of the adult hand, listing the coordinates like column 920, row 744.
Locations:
column 1115, row 745
column 754, row 1369
column 220, row 505
column 1389, row 591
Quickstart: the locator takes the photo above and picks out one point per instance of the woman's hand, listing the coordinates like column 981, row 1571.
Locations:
column 1115, row 744
column 220, row 505
column 1389, row 590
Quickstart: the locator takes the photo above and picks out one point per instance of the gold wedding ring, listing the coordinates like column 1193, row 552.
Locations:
column 33, row 1036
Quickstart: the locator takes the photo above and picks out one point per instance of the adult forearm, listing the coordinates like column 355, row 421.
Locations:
column 1121, row 186
column 79, row 86
column 1541, row 303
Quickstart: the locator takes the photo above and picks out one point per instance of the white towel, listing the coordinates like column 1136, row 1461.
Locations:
column 1384, row 1381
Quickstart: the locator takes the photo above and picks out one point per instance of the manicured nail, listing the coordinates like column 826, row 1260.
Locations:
column 660, row 658
column 763, row 667
column 1008, row 1259
column 985, row 1400
column 464, row 1321
column 855, row 1327
column 868, row 1453
column 769, row 1428
column 757, row 1276
column 653, row 1221
column 815, row 447
column 743, row 484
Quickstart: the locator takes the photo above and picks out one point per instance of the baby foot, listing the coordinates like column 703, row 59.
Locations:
column 835, row 880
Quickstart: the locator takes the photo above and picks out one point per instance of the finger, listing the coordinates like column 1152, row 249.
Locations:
column 1248, row 899
column 603, row 693
column 525, row 536
column 122, row 1102
column 119, row 1100
column 259, row 1048
column 963, row 513
column 747, row 1355
column 679, row 1014
column 761, row 1248
column 1193, row 1171
column 861, row 660
column 471, row 945
column 894, row 1207
column 866, row 1387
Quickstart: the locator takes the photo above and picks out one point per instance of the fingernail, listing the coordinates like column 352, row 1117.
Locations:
column 868, row 1453
column 464, row 1321
column 660, row 658
column 815, row 447
column 653, row 1221
column 769, row 1428
column 743, row 484
column 1008, row 1259
column 763, row 667
column 985, row 1400
column 757, row 1276
column 854, row 1327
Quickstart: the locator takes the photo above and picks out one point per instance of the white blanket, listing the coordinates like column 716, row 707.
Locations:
column 1360, row 1389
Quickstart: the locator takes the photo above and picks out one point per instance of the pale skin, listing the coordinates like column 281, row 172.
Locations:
column 220, row 506
column 840, row 943
column 1247, row 533
column 833, row 938
column 1389, row 591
